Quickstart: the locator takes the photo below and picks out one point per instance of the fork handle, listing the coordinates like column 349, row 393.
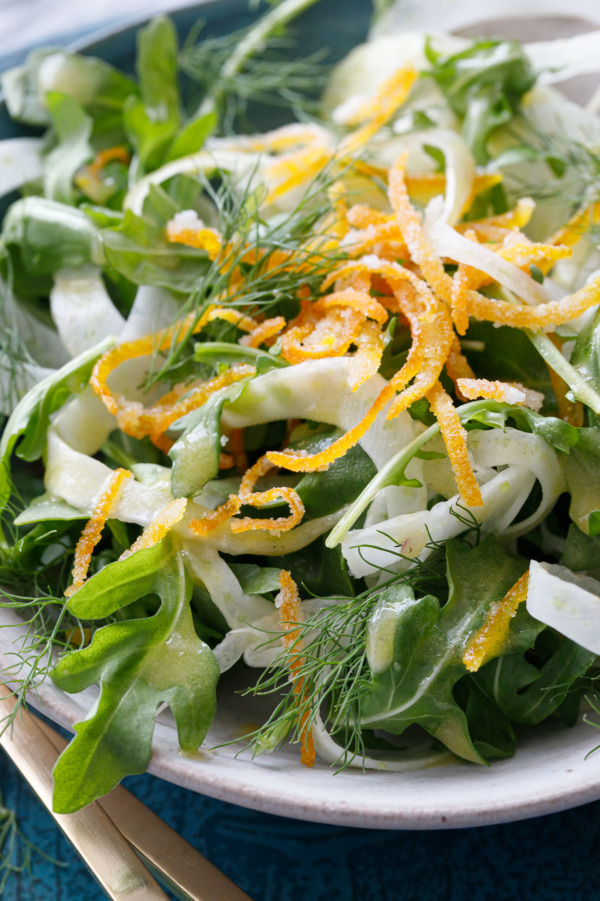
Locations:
column 93, row 834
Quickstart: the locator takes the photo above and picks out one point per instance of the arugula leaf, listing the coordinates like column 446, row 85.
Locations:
column 95, row 84
column 137, row 249
column 417, row 684
column 586, row 358
column 582, row 552
column 491, row 731
column 139, row 663
column 152, row 121
column 323, row 493
column 256, row 579
column 484, row 86
column 191, row 136
column 507, row 355
column 73, row 130
column 321, row 570
column 47, row 508
column 43, row 236
column 527, row 692
column 30, row 419
column 582, row 473
column 195, row 454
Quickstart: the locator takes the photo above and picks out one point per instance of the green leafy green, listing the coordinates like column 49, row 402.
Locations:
column 191, row 136
column 137, row 249
column 195, row 454
column 29, row 421
column 223, row 352
column 93, row 83
column 73, row 129
column 256, row 579
column 506, row 354
column 586, row 358
column 582, row 473
column 484, row 85
column 152, row 120
column 491, row 731
column 581, row 552
column 43, row 236
column 323, row 493
column 416, row 685
column 139, row 663
column 528, row 692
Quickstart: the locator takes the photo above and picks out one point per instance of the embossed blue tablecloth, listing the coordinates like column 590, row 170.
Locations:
column 552, row 858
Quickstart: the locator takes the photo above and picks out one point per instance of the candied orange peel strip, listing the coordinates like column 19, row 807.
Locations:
column 367, row 359
column 92, row 531
column 264, row 332
column 330, row 336
column 291, row 619
column 508, row 392
column 490, row 639
column 391, row 95
column 357, row 300
column 432, row 333
column 248, row 496
column 455, row 439
column 516, row 218
column 217, row 517
column 163, row 522
column 202, row 238
column 457, row 366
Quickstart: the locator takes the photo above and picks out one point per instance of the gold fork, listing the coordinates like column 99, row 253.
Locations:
column 106, row 832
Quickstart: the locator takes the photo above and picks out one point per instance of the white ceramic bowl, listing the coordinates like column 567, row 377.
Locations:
column 549, row 771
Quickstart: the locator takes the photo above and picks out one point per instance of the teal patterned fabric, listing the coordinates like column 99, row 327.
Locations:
column 552, row 858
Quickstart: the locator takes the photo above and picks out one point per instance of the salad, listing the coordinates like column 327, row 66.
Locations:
column 321, row 399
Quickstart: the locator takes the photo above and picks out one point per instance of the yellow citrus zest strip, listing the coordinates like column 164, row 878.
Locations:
column 389, row 98
column 264, row 332
column 217, row 517
column 575, row 229
column 545, row 315
column 330, row 336
column 139, row 421
column 92, row 531
column 297, row 168
column 163, row 522
column 490, row 639
column 517, row 218
column 367, row 359
column 248, row 496
column 462, row 281
column 457, row 366
column 411, row 227
column 142, row 347
column 455, row 439
column 208, row 239
column 432, row 333
column 290, row 614
column 508, row 392
column 358, row 300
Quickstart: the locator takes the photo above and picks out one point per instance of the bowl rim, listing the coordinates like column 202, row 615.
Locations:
column 215, row 777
